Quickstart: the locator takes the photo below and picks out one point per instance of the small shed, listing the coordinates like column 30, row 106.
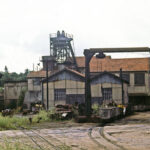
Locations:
column 64, row 87
column 107, row 87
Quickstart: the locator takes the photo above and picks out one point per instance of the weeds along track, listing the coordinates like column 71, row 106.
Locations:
column 5, row 141
column 96, row 134
column 41, row 142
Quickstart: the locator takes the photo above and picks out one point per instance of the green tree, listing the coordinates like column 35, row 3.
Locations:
column 6, row 76
column 26, row 72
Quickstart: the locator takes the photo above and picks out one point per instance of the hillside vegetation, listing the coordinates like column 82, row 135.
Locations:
column 7, row 76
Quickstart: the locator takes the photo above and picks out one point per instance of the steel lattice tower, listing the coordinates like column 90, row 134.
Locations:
column 61, row 48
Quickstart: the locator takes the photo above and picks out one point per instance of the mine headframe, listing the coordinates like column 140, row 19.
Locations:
column 61, row 48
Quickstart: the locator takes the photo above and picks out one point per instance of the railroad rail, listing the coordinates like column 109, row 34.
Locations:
column 40, row 142
column 96, row 134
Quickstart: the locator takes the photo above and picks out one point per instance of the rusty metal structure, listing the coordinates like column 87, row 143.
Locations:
column 88, row 56
column 89, row 53
column 122, row 49
column 61, row 49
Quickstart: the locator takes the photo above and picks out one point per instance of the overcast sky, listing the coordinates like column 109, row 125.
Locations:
column 25, row 26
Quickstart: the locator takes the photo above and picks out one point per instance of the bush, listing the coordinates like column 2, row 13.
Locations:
column 42, row 115
column 95, row 108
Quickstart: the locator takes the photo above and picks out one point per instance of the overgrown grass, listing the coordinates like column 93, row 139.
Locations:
column 16, row 145
column 12, row 122
column 64, row 147
column 15, row 122
column 44, row 115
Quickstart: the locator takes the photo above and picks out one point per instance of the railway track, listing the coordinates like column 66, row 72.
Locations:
column 53, row 139
column 45, row 141
column 40, row 142
column 96, row 134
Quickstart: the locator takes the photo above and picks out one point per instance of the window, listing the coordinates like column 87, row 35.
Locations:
column 73, row 98
column 107, row 93
column 139, row 78
column 36, row 81
column 60, row 94
column 126, row 77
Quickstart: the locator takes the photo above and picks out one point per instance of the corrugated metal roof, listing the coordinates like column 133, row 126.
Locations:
column 65, row 69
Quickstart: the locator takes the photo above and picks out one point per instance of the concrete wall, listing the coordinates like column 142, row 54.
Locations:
column 12, row 91
column 32, row 97
column 34, row 93
column 139, row 90
column 134, row 90
column 109, row 81
column 126, row 96
column 32, row 86
column 116, row 91
column 72, row 88
column 138, row 93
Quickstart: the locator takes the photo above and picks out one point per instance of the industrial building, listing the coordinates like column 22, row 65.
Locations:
column 135, row 71
column 68, row 87
column 63, row 76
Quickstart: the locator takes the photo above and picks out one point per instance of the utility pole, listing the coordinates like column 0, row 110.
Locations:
column 122, row 86
column 47, row 93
